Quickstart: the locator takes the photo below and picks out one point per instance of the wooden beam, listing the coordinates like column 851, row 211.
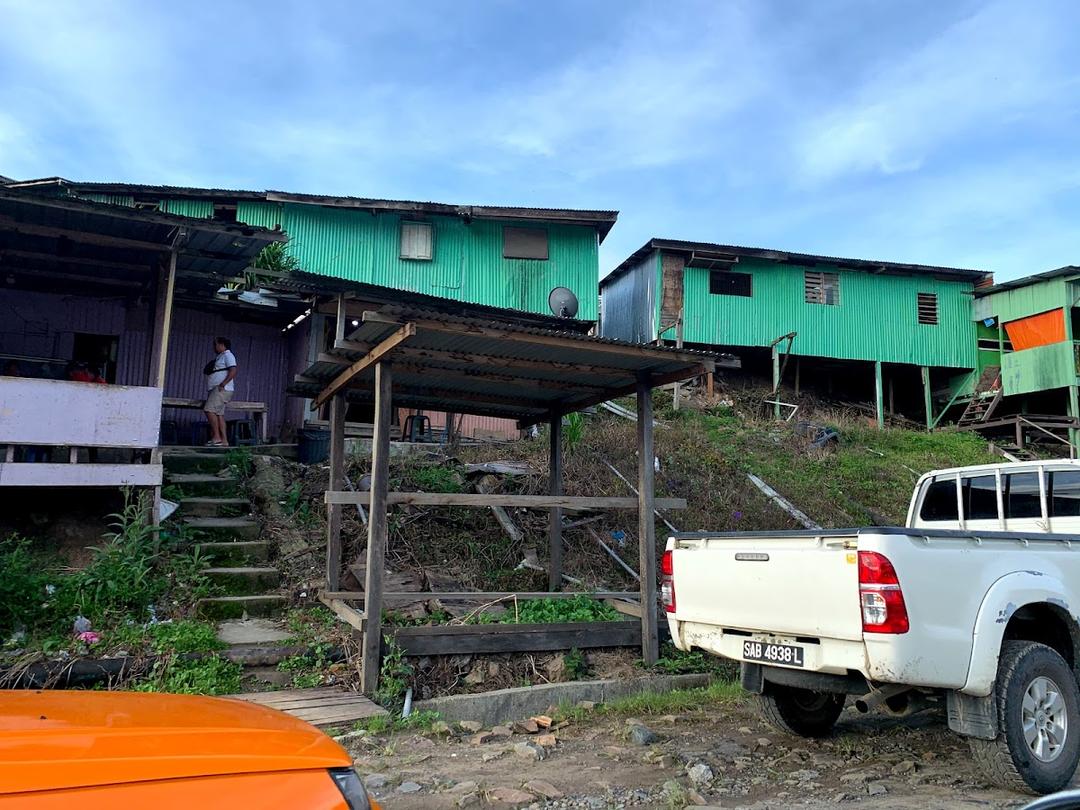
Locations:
column 555, row 539
column 338, row 406
column 434, row 356
column 485, row 501
column 523, row 402
column 509, row 638
column 650, row 651
column 340, row 316
column 344, row 378
column 159, row 351
column 879, row 399
column 11, row 224
column 97, row 281
column 928, row 402
column 377, row 530
column 486, row 596
column 473, row 373
column 353, row 618
column 39, row 255
column 776, row 380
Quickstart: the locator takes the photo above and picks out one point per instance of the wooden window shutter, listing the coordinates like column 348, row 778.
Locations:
column 416, row 240
column 928, row 308
column 821, row 288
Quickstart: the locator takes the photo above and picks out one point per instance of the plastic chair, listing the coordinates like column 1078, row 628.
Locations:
column 241, row 431
column 417, row 429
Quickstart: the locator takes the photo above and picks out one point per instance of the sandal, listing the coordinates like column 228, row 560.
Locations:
column 212, row 443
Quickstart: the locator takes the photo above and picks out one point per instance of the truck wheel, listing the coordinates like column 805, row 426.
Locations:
column 800, row 711
column 1038, row 706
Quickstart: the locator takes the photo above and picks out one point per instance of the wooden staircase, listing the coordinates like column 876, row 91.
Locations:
column 985, row 398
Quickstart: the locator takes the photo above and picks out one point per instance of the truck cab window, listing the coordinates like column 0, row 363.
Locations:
column 1064, row 494
column 980, row 498
column 939, row 502
column 1022, row 496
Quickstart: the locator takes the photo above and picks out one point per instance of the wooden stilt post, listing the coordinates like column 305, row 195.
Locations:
column 1019, row 434
column 710, row 384
column 677, row 391
column 878, row 395
column 927, row 400
column 159, row 350
column 798, row 374
column 376, row 550
column 775, row 380
column 1074, row 413
column 892, row 395
column 337, row 484
column 555, row 539
column 646, row 523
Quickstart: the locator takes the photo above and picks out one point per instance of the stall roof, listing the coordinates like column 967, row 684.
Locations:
column 490, row 367
column 77, row 243
column 1016, row 283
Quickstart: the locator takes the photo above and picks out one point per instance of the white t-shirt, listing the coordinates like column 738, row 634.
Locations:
column 222, row 363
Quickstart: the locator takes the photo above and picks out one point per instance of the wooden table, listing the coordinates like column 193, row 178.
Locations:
column 259, row 409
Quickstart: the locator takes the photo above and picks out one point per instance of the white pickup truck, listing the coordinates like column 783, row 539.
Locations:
column 973, row 603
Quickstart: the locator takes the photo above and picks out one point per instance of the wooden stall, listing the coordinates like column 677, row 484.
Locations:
column 412, row 357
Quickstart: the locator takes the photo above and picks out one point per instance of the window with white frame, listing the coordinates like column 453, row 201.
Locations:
column 416, row 240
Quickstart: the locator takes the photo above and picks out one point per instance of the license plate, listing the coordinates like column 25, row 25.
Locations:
column 783, row 654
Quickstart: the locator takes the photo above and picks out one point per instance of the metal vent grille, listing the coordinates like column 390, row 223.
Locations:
column 928, row 308
column 821, row 288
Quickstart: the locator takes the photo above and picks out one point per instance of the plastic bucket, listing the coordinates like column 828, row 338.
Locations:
column 313, row 446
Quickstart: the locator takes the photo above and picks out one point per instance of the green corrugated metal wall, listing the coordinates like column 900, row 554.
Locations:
column 1038, row 369
column 876, row 319
column 1008, row 305
column 198, row 209
column 467, row 264
column 111, row 199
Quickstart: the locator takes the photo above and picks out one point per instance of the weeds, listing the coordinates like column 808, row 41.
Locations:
column 417, row 721
column 581, row 608
column 658, row 703
column 674, row 661
column 23, row 581
column 211, row 675
column 241, row 460
column 308, row 670
column 182, row 636
column 394, row 677
column 573, row 430
column 436, row 478
column 577, row 665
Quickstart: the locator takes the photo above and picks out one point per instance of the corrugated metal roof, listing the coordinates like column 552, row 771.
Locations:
column 601, row 220
column 736, row 251
column 492, row 368
column 1060, row 272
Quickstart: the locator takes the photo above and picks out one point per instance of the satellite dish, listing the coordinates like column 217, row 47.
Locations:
column 563, row 302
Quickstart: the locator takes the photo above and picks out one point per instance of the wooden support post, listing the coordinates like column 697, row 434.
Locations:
column 709, row 383
column 892, row 396
column 338, row 406
column 776, row 380
column 555, row 539
column 1019, row 434
column 677, row 391
column 646, row 525
column 798, row 374
column 927, row 400
column 376, row 550
column 341, row 316
column 879, row 399
column 163, row 308
column 1074, row 413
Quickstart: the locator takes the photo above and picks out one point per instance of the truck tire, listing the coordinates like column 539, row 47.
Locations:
column 800, row 711
column 1038, row 705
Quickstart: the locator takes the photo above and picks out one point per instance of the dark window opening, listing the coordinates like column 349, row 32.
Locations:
column 524, row 243
column 939, row 502
column 980, row 498
column 1063, row 494
column 147, row 205
column 1021, row 496
column 725, row 283
column 224, row 213
column 98, row 352
column 821, row 288
column 928, row 308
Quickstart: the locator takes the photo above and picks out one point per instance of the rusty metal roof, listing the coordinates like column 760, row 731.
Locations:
column 493, row 368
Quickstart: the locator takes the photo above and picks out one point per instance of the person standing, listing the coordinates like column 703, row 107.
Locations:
column 220, row 375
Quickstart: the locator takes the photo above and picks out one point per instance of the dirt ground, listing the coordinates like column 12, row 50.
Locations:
column 723, row 758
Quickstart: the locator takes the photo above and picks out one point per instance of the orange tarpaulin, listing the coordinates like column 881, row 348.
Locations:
column 1037, row 330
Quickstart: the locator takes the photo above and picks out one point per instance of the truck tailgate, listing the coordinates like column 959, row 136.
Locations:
column 792, row 584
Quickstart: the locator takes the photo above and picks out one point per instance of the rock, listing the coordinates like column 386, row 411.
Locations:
column 642, row 735
column 763, row 742
column 856, row 777
column 491, row 756
column 481, row 738
column 350, row 735
column 905, row 768
column 547, row 740
column 469, row 800
column 409, row 787
column 501, row 731
column 376, row 780
column 441, row 727
column 477, row 675
column 876, row 789
column 587, row 705
column 842, row 797
column 555, row 669
column 804, row 775
column 544, row 789
column 471, row 726
column 745, row 730
column 669, row 718
column 530, row 750
column 700, row 774
column 696, row 798
column 526, row 727
column 510, row 796
column 463, row 787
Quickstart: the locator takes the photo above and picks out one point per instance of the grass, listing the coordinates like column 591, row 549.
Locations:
column 651, row 704
column 417, row 721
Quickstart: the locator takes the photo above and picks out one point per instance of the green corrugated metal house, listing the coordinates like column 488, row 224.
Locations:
column 492, row 255
column 1028, row 327
column 900, row 332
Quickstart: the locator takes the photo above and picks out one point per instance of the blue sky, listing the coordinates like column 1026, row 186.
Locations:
column 943, row 133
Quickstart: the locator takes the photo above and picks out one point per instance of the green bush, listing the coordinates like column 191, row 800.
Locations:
column 581, row 608
column 436, row 478
column 203, row 676
column 23, row 581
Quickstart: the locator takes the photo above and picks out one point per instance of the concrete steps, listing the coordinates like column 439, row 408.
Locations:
column 244, row 580
column 214, row 507
column 193, row 462
column 203, row 483
column 225, row 527
column 237, row 607
column 236, row 552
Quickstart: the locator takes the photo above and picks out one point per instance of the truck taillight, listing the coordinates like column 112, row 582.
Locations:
column 667, row 582
column 882, row 601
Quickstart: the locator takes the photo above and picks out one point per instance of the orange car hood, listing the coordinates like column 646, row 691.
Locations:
column 56, row 739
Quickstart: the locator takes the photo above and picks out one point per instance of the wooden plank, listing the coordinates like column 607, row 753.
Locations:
column 377, row 529
column 486, row 596
column 433, row 356
column 337, row 481
column 59, row 412
column 481, row 500
column 799, row 516
column 650, row 651
column 292, row 695
column 159, row 351
column 353, row 618
column 343, row 380
column 19, row 474
column 555, row 538
column 476, row 639
column 197, row 404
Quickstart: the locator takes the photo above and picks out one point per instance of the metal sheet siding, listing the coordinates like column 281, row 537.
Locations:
column 467, row 264
column 1008, row 305
column 876, row 318
column 1038, row 369
column 111, row 199
column 628, row 304
column 197, row 209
